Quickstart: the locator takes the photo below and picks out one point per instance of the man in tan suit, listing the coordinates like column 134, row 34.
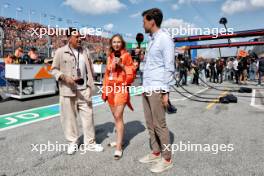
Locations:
column 72, row 68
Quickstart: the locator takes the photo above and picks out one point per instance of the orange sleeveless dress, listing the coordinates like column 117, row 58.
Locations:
column 116, row 80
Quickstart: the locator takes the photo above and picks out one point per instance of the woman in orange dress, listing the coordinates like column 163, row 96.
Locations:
column 119, row 74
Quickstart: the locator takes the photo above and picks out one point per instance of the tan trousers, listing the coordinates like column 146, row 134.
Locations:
column 156, row 123
column 70, row 108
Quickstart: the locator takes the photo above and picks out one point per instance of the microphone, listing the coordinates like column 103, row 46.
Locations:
column 117, row 55
column 139, row 38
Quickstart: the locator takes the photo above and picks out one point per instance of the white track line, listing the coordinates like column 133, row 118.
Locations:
column 253, row 97
column 253, row 101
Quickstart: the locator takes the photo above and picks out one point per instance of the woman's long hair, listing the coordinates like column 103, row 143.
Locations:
column 111, row 49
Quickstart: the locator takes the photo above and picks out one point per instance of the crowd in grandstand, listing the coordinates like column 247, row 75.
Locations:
column 19, row 34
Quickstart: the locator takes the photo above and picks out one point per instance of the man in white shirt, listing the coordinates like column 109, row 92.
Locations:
column 158, row 74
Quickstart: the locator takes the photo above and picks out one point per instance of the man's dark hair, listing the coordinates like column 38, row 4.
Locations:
column 155, row 14
column 71, row 31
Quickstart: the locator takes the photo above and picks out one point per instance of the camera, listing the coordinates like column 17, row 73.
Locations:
column 79, row 81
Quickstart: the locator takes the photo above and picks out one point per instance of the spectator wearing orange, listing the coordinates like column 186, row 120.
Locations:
column 120, row 73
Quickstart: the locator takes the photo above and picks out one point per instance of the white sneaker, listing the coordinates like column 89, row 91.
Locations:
column 94, row 147
column 72, row 148
column 112, row 144
column 118, row 154
column 150, row 158
column 161, row 166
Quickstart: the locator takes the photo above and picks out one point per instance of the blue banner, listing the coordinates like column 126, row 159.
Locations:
column 2, row 74
column 193, row 52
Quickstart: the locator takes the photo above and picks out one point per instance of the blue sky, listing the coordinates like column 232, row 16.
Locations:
column 124, row 16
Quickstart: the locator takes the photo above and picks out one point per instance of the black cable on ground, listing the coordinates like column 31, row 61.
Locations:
column 223, row 99
column 202, row 101
column 230, row 90
column 194, row 93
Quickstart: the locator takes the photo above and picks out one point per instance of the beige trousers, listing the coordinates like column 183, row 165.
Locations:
column 156, row 123
column 70, row 108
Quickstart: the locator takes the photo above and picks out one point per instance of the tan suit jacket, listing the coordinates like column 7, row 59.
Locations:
column 64, row 63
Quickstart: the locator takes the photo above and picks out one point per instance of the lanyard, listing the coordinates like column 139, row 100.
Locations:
column 76, row 59
column 77, row 62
